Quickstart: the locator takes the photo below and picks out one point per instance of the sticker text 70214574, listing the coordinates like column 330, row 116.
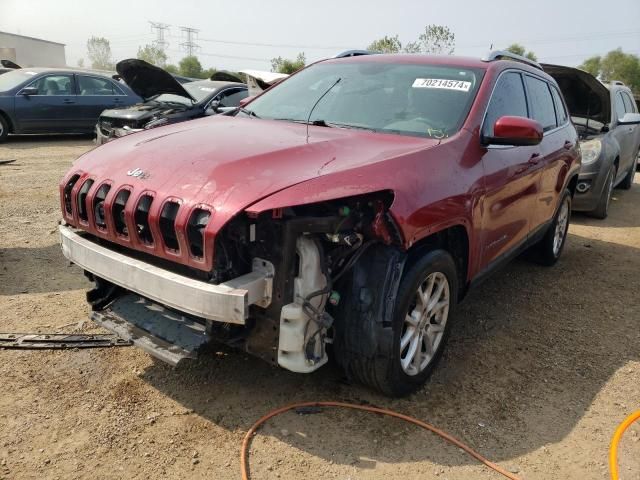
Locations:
column 442, row 83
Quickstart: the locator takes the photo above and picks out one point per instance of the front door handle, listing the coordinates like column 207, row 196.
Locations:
column 68, row 101
column 535, row 158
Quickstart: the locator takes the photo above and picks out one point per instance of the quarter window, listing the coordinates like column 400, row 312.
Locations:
column 54, row 85
column 561, row 113
column 629, row 106
column 619, row 105
column 508, row 99
column 541, row 102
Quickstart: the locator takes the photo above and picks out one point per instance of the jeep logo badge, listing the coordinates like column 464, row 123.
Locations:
column 138, row 173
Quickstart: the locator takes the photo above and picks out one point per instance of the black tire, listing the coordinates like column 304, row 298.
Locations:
column 4, row 129
column 384, row 370
column 602, row 210
column 548, row 251
column 628, row 180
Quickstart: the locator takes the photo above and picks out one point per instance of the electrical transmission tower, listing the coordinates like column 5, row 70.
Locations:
column 189, row 44
column 159, row 29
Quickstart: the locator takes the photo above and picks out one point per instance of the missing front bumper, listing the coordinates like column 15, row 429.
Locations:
column 227, row 302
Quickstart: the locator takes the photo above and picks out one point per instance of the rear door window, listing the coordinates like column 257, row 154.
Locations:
column 96, row 86
column 541, row 102
column 561, row 112
column 508, row 99
column 232, row 97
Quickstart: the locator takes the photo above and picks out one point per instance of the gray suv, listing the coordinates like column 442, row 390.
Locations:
column 607, row 119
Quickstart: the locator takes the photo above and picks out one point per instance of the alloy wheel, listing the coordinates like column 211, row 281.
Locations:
column 424, row 324
column 562, row 224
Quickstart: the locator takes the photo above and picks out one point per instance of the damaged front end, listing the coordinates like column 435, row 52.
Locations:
column 276, row 290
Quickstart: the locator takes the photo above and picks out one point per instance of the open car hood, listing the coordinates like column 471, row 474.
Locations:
column 586, row 97
column 9, row 64
column 147, row 80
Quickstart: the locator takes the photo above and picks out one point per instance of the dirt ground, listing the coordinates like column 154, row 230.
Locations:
column 542, row 366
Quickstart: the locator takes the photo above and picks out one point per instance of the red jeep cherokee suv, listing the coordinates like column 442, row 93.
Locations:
column 353, row 204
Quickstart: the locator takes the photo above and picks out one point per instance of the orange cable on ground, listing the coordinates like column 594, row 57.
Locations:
column 246, row 442
column 615, row 440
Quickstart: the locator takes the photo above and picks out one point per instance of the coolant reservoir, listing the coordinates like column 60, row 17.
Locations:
column 294, row 331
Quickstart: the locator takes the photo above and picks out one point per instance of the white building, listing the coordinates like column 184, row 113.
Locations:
column 31, row 52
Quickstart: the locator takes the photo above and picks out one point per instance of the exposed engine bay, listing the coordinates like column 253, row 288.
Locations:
column 309, row 249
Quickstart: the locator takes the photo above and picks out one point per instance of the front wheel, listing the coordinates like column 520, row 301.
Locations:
column 602, row 210
column 4, row 129
column 422, row 318
column 548, row 250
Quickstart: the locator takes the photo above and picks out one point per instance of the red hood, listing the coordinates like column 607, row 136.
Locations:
column 230, row 163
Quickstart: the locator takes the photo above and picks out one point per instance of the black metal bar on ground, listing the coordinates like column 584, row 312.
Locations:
column 42, row 341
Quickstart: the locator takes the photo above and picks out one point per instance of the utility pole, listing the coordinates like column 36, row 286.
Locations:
column 189, row 45
column 159, row 28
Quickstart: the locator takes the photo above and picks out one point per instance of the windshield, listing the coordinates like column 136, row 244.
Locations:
column 406, row 99
column 197, row 90
column 10, row 80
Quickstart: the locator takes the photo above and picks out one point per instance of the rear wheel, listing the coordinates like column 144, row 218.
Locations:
column 4, row 129
column 602, row 210
column 548, row 250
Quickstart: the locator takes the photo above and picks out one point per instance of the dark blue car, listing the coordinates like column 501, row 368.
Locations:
column 38, row 100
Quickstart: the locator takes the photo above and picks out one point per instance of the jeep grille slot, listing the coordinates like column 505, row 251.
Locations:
column 67, row 192
column 142, row 219
column 98, row 206
column 118, row 212
column 168, row 225
column 195, row 231
column 82, row 200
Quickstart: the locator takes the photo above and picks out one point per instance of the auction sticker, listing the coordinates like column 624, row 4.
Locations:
column 442, row 83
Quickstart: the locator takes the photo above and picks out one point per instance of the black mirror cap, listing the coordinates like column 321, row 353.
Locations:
column 29, row 91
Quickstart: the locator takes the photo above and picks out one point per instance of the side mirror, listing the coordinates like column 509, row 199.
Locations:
column 516, row 131
column 29, row 91
column 630, row 119
column 246, row 100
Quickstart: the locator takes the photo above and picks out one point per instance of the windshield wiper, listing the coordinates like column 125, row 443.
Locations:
column 324, row 123
column 247, row 112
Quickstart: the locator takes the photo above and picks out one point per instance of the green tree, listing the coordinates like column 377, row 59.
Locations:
column 284, row 65
column 153, row 55
column 615, row 65
column 592, row 65
column 435, row 40
column 99, row 53
column 191, row 67
column 208, row 72
column 386, row 45
column 520, row 50
column 172, row 69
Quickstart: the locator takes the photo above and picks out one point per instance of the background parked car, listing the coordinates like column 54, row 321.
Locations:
column 607, row 119
column 165, row 100
column 7, row 66
column 44, row 100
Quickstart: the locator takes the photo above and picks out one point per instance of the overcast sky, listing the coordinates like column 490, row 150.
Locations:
column 557, row 31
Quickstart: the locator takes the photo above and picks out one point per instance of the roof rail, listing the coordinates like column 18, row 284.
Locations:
column 507, row 55
column 354, row 53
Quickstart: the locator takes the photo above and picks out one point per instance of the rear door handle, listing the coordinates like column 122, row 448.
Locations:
column 68, row 101
column 568, row 145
